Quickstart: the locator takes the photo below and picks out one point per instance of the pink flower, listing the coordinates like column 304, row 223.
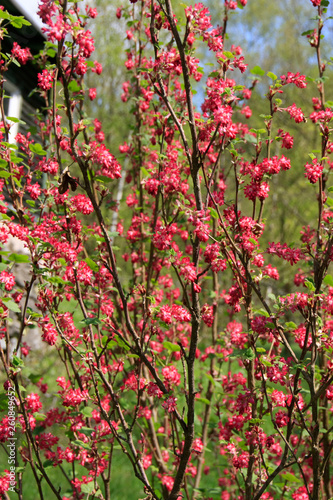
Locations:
column 83, row 273
column 197, row 445
column 34, row 190
column 33, row 403
column 188, row 270
column 81, row 66
column 8, row 280
column 287, row 139
column 301, row 493
column 75, row 397
column 241, row 461
column 92, row 94
column 49, row 334
column 86, row 43
column 147, row 461
column 91, row 12
column 171, row 375
column 82, row 204
column 295, row 113
column 246, row 111
column 170, row 404
column 168, row 482
column 45, row 79
column 270, row 271
column 46, row 440
column 278, row 398
column 291, row 255
column 48, row 166
column 46, row 10
column 153, row 390
column 237, row 336
column 207, row 315
column 4, row 483
column 296, row 78
column 22, row 55
column 98, row 68
column 100, row 155
column 313, row 170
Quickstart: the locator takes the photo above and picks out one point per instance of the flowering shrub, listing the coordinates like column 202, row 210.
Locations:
column 170, row 346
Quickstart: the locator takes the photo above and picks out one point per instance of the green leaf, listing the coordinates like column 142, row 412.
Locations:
column 171, row 347
column 257, row 71
column 91, row 321
column 87, row 431
column 308, row 32
column 309, row 283
column 5, row 15
column 16, row 257
column 250, row 138
column 47, row 464
column 12, row 306
column 39, row 416
column 15, row 120
column 249, row 354
column 93, row 266
column 112, row 234
column 291, row 325
column 203, row 400
column 271, row 75
column 122, row 344
column 265, row 362
column 4, row 174
column 213, row 213
column 56, row 280
column 261, row 312
column 214, row 74
column 3, row 401
column 37, row 149
column 17, row 362
column 212, row 380
column 287, row 476
column 328, row 280
column 81, row 444
column 87, row 411
column 73, row 86
column 51, row 53
column 88, row 487
column 19, row 21
column 34, row 377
